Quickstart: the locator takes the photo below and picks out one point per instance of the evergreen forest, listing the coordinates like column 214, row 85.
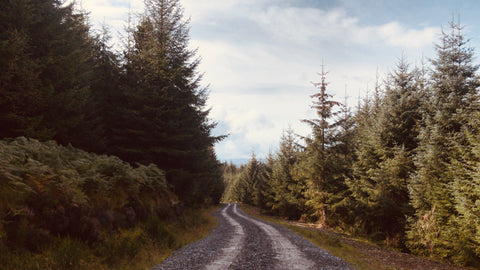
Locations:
column 402, row 169
column 100, row 148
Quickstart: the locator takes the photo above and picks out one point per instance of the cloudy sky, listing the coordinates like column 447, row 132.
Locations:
column 260, row 56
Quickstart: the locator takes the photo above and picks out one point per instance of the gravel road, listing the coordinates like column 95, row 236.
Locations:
column 242, row 242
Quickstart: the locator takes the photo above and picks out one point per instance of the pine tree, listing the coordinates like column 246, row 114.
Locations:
column 366, row 156
column 453, row 89
column 249, row 186
column 106, row 98
column 346, row 135
column 288, row 187
column 325, row 182
column 268, row 193
column 466, row 190
column 163, row 118
column 47, row 52
column 386, row 145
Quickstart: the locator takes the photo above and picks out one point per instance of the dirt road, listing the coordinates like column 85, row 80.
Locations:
column 243, row 242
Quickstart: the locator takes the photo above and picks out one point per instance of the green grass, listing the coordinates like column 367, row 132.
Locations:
column 333, row 244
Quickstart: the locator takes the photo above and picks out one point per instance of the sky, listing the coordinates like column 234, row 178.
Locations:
column 260, row 57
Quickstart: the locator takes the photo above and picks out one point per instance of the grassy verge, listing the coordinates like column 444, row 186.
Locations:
column 360, row 253
column 333, row 244
column 141, row 247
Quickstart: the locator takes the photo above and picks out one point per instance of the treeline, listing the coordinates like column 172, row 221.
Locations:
column 403, row 169
column 61, row 81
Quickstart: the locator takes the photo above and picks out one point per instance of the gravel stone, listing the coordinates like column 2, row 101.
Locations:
column 257, row 248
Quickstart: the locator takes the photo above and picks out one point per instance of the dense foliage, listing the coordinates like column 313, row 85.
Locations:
column 62, row 82
column 142, row 111
column 46, row 55
column 49, row 190
column 64, row 208
column 402, row 170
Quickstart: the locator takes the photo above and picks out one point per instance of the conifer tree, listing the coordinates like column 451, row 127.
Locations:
column 163, row 118
column 453, row 90
column 47, row 52
column 385, row 145
column 268, row 194
column 466, row 191
column 385, row 157
column 288, row 186
column 325, row 182
column 249, row 186
column 105, row 102
column 366, row 156
column 344, row 150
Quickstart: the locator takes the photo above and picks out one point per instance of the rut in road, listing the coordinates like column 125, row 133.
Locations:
column 235, row 244
column 288, row 255
column 243, row 242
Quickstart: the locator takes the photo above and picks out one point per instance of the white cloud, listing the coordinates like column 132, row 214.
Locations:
column 255, row 121
column 114, row 13
column 202, row 11
column 259, row 57
column 303, row 25
column 396, row 35
column 250, row 80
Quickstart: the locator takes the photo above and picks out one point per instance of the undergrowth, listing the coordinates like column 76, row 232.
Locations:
column 64, row 208
column 141, row 247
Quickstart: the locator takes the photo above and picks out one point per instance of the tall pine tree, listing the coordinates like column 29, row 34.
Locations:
column 385, row 157
column 325, row 181
column 454, row 87
column 287, row 184
column 163, row 119
column 46, row 53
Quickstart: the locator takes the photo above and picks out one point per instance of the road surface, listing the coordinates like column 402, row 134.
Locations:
column 242, row 242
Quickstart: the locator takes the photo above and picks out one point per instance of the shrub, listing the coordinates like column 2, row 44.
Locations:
column 120, row 245
column 68, row 254
column 160, row 232
column 48, row 190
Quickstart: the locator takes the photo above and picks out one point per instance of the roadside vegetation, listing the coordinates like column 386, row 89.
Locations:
column 361, row 253
column 106, row 156
column 140, row 247
column 402, row 169
column 103, row 153
column 64, row 208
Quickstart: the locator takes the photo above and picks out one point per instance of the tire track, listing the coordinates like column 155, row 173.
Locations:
column 235, row 244
column 288, row 255
column 241, row 242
